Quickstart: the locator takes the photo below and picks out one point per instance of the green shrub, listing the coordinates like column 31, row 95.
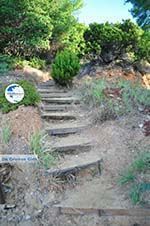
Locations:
column 37, row 63
column 34, row 62
column 31, row 97
column 66, row 65
column 28, row 28
column 143, row 49
column 107, row 42
column 6, row 63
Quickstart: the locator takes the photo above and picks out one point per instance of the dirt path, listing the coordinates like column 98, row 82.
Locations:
column 90, row 158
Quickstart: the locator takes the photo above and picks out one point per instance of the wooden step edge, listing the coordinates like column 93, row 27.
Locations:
column 61, row 100
column 55, row 108
column 48, row 83
column 74, row 169
column 64, row 149
column 49, row 91
column 132, row 212
column 53, row 96
column 64, row 131
column 56, row 116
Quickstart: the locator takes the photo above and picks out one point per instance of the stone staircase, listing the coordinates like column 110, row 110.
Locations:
column 64, row 125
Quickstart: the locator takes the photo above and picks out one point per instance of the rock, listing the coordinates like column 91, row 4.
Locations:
column 146, row 81
column 143, row 67
column 87, row 69
column 27, row 217
column 129, row 70
column 35, row 75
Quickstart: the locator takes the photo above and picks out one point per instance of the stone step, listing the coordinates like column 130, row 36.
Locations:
column 64, row 100
column 75, row 164
column 71, row 144
column 58, row 115
column 53, row 108
column 61, row 130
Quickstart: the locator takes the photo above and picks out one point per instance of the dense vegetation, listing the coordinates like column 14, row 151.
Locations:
column 33, row 32
column 29, row 28
column 107, row 42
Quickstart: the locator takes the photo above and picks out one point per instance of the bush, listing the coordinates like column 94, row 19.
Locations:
column 143, row 50
column 37, row 63
column 66, row 65
column 31, row 97
column 6, row 63
column 107, row 42
column 34, row 62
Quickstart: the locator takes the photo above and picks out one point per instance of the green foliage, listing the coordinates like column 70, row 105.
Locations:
column 6, row 134
column 66, row 65
column 6, row 63
column 35, row 62
column 143, row 49
column 141, row 11
column 107, row 42
column 74, row 40
column 134, row 94
column 92, row 93
column 31, row 97
column 126, row 177
column 27, row 28
column 38, row 147
column 134, row 176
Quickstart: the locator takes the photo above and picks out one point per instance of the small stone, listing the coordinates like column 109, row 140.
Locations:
column 141, row 109
column 28, row 217
column 141, row 125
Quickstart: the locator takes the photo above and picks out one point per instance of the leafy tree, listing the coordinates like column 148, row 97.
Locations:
column 141, row 11
column 74, row 40
column 25, row 29
column 28, row 27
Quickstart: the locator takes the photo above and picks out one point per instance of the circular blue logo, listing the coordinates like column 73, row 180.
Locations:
column 14, row 93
